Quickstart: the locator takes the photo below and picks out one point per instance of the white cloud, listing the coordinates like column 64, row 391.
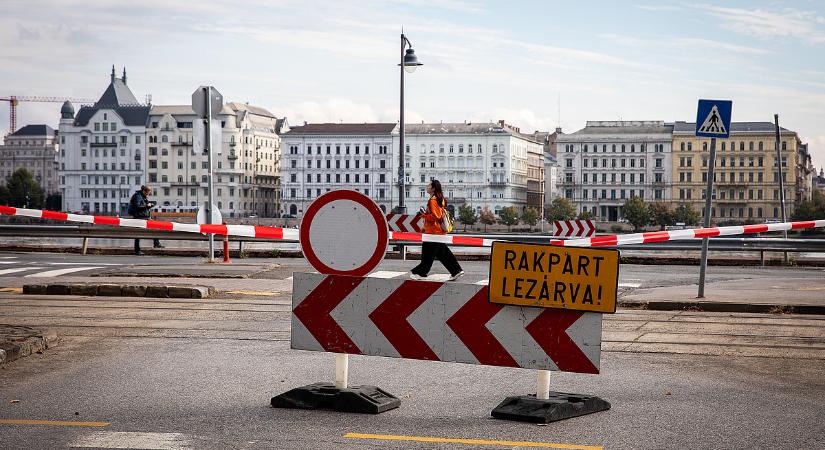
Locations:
column 804, row 25
column 333, row 110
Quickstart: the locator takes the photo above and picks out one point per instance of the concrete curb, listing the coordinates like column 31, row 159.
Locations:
column 117, row 290
column 733, row 307
column 14, row 349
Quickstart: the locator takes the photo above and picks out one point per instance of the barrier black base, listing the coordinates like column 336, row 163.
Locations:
column 560, row 406
column 355, row 399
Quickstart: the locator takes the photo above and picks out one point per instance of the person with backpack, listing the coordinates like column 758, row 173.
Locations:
column 436, row 221
column 139, row 206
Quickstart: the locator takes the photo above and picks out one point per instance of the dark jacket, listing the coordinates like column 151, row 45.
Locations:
column 139, row 206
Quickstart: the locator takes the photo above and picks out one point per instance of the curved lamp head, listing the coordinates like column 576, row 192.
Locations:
column 411, row 61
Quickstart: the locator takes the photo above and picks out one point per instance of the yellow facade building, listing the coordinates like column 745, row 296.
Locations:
column 746, row 181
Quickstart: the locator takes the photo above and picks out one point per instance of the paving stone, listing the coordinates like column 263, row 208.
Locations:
column 57, row 289
column 34, row 289
column 83, row 289
column 134, row 291
column 109, row 290
column 157, row 291
column 181, row 291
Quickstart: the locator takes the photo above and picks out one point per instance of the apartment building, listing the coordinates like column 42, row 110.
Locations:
column 318, row 158
column 102, row 151
column 746, row 171
column 607, row 162
column 34, row 148
column 485, row 165
column 245, row 159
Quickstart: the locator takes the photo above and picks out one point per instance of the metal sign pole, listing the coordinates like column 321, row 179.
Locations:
column 708, row 195
column 208, row 142
column 780, row 168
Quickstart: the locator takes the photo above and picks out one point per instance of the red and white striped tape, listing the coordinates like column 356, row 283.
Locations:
column 229, row 230
column 292, row 234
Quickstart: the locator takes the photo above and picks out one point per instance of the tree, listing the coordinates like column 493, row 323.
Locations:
column 806, row 210
column 487, row 217
column 637, row 213
column 661, row 215
column 54, row 202
column 560, row 209
column 5, row 196
column 530, row 216
column 467, row 215
column 685, row 214
column 585, row 215
column 508, row 216
column 24, row 190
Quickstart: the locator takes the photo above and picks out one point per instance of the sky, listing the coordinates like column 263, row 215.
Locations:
column 535, row 64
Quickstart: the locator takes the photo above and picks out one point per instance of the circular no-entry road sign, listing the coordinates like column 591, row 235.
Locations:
column 344, row 233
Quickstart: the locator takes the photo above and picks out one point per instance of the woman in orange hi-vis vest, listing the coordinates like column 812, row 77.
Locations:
column 430, row 251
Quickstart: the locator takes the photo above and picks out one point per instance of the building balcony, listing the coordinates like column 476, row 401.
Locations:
column 498, row 184
column 232, row 155
column 103, row 144
column 181, row 144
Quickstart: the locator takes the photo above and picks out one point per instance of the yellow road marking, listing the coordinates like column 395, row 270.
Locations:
column 812, row 288
column 390, row 437
column 58, row 423
column 17, row 290
column 268, row 294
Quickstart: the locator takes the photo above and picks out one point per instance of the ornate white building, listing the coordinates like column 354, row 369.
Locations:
column 318, row 158
column 34, row 148
column 245, row 158
column 102, row 151
column 607, row 162
column 483, row 165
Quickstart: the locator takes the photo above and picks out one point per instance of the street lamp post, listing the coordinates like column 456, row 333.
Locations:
column 409, row 62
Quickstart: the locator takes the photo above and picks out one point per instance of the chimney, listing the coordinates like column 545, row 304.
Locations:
column 501, row 123
column 305, row 123
column 558, row 130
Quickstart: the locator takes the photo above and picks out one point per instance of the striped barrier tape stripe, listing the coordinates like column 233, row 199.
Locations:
column 292, row 234
column 623, row 239
column 229, row 230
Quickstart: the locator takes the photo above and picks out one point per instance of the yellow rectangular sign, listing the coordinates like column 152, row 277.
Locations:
column 550, row 276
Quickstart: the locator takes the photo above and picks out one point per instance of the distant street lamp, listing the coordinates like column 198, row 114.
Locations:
column 409, row 63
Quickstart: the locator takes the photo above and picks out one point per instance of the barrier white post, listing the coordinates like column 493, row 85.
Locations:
column 341, row 370
column 543, row 385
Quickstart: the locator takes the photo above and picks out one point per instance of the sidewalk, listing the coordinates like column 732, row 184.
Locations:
column 789, row 295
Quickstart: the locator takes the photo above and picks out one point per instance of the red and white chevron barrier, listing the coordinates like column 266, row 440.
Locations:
column 228, row 230
column 405, row 223
column 574, row 228
column 438, row 322
column 292, row 234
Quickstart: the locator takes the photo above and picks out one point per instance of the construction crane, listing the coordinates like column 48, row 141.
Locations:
column 15, row 99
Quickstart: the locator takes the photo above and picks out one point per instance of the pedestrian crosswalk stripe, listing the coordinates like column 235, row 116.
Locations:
column 629, row 285
column 385, row 274
column 125, row 439
column 8, row 262
column 17, row 269
column 57, row 272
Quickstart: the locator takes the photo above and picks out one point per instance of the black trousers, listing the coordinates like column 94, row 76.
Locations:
column 430, row 251
column 137, row 244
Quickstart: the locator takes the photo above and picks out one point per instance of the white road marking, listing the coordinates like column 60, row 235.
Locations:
column 8, row 262
column 629, row 285
column 76, row 263
column 58, row 272
column 385, row 274
column 8, row 257
column 482, row 282
column 18, row 269
column 133, row 440
column 289, row 278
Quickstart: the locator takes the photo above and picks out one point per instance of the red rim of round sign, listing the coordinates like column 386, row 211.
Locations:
column 377, row 215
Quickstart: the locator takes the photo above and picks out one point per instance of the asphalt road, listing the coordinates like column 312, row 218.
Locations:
column 198, row 374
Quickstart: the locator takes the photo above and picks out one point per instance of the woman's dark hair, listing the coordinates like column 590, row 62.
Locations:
column 439, row 194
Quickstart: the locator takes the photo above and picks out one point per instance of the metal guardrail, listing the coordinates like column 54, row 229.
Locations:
column 742, row 244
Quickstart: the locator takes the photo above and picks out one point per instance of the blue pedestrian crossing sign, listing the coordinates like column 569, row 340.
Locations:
column 713, row 118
